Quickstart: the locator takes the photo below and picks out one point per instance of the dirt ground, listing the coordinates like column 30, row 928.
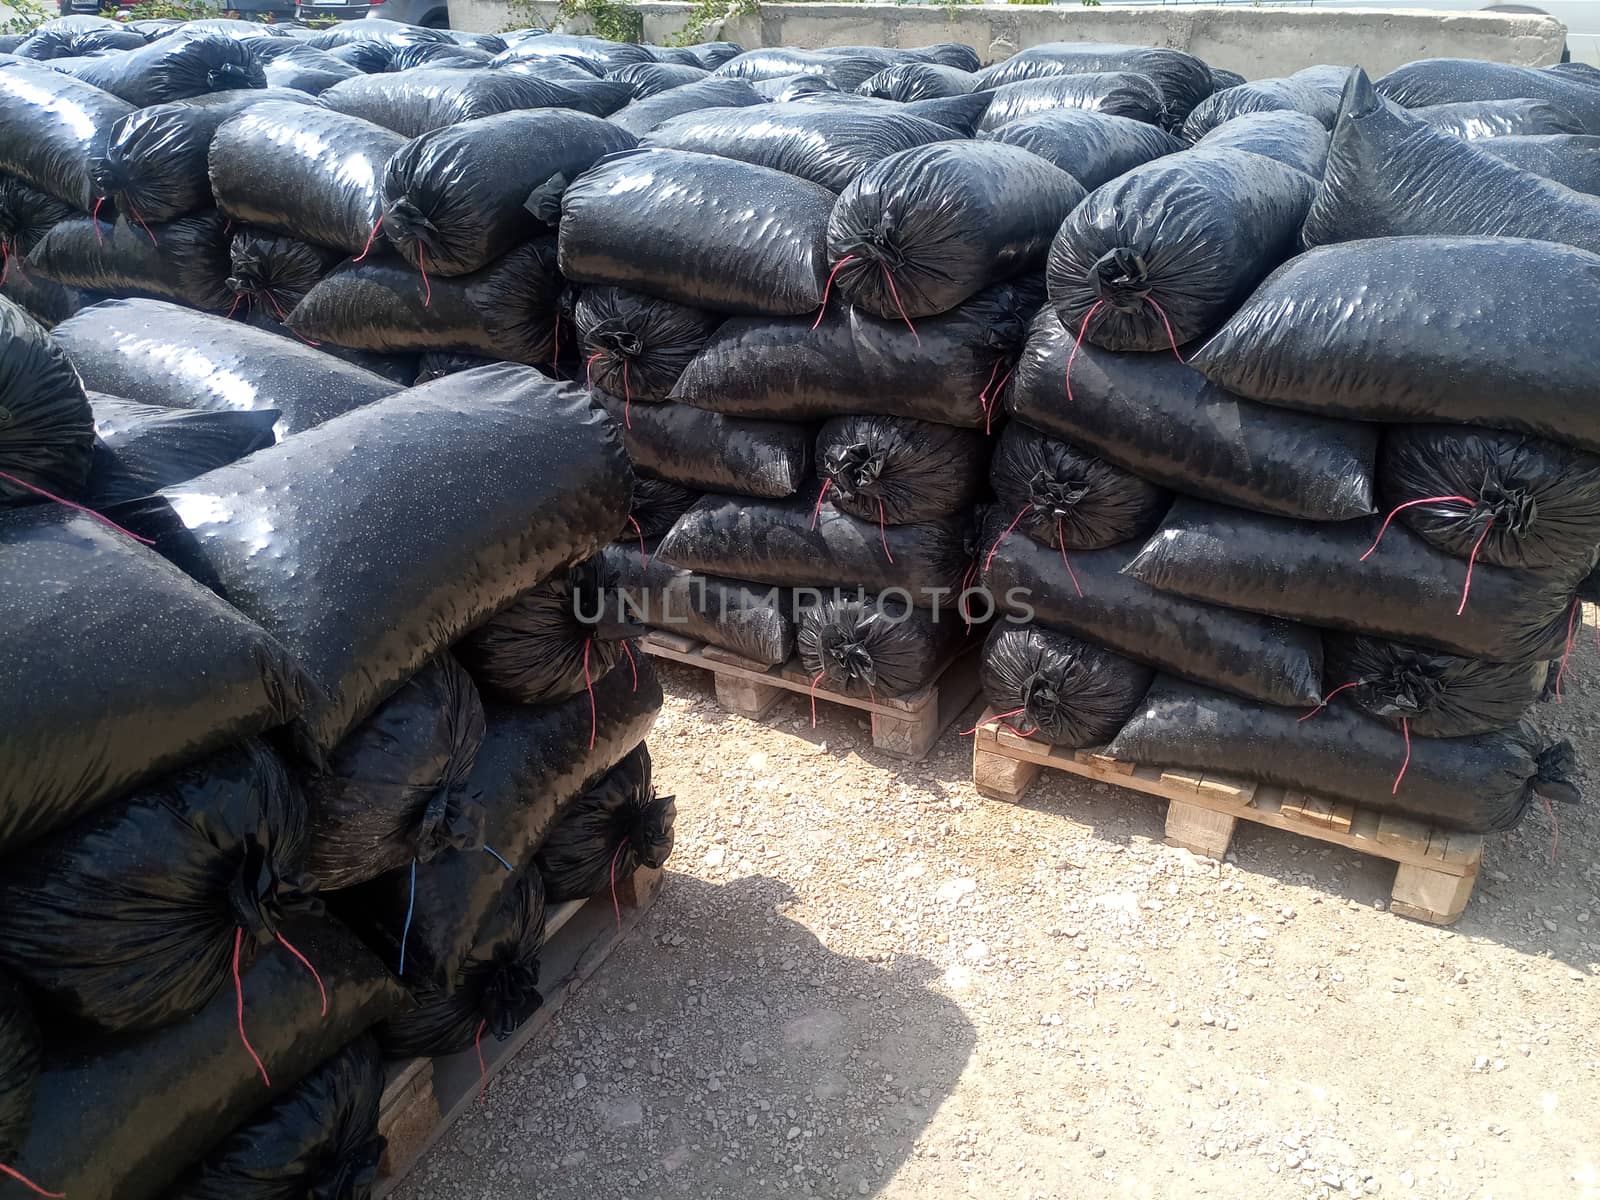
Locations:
column 862, row 979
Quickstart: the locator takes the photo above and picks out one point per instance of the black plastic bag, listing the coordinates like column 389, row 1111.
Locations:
column 373, row 29
column 52, row 128
column 1165, row 253
column 1222, row 79
column 158, row 670
column 45, row 44
column 711, row 452
column 302, row 171
column 1528, row 502
column 712, row 55
column 458, row 198
column 926, row 229
column 1452, row 80
column 600, row 53
column 26, row 215
column 1151, row 414
column 1261, row 96
column 898, row 470
column 437, row 54
column 641, row 116
column 785, row 88
column 826, row 143
column 849, row 362
column 845, row 72
column 801, row 543
column 918, row 81
column 19, row 1067
column 320, row 1140
column 651, row 79
column 551, row 642
column 154, row 166
column 636, row 346
column 1293, row 138
column 1093, row 147
column 1322, row 573
column 185, row 260
column 874, row 646
column 1059, row 689
column 705, row 231
column 127, row 348
column 485, row 515
column 140, row 448
column 303, row 69
column 1475, row 785
column 1573, row 160
column 1115, row 93
column 47, row 434
column 1060, row 495
column 1389, row 175
column 1087, row 594
column 1377, row 330
column 1435, row 695
column 274, row 272
column 393, row 789
column 415, row 102
column 175, row 68
column 1477, row 120
column 507, row 311
column 657, row 505
column 144, row 1108
column 608, row 833
column 495, row 990
column 436, row 364
column 534, row 763
column 46, row 301
column 131, row 919
column 1182, row 78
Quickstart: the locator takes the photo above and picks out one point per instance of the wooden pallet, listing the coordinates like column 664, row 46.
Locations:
column 425, row 1096
column 1437, row 869
column 906, row 728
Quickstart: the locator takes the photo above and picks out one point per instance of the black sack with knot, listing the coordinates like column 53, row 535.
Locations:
column 303, row 171
column 1261, row 96
column 273, row 273
column 319, row 1140
column 1093, row 147
column 47, row 428
column 551, row 642
column 1159, row 418
column 1377, row 330
column 495, row 989
column 26, row 215
column 651, row 79
column 704, row 231
column 52, row 128
column 1390, row 175
column 394, row 788
column 1293, row 138
column 709, row 452
column 800, row 542
column 898, row 470
column 1323, row 573
column 1475, row 785
column 747, row 619
column 1060, row 689
column 907, row 81
column 1165, row 253
column 1435, row 695
column 657, row 505
column 1529, row 502
column 126, row 348
column 485, row 515
column 534, row 763
column 148, row 1106
column 423, row 99
column 175, row 68
column 1569, row 159
column 157, row 671
column 641, row 116
column 828, row 144
column 141, row 448
column 154, row 166
column 1116, row 93
column 19, row 1067
column 923, row 230
column 133, row 918
column 1476, row 120
column 456, row 199
column 1087, row 594
column 1062, row 496
column 1182, row 78
column 852, row 363
column 1453, row 80
column 608, row 833
column 636, row 346
column 301, row 68
column 507, row 311
column 185, row 261
column 877, row 647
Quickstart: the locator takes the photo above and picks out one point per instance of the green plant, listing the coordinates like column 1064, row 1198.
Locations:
column 176, row 10
column 26, row 16
column 705, row 14
column 612, row 21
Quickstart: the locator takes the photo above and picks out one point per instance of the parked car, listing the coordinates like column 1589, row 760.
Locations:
column 435, row 14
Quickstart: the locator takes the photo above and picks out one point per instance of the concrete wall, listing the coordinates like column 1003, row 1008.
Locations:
column 1257, row 42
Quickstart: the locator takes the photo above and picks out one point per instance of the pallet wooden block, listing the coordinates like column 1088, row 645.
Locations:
column 906, row 728
column 425, row 1096
column 1436, row 868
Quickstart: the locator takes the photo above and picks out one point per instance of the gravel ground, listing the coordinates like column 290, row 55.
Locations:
column 862, row 979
